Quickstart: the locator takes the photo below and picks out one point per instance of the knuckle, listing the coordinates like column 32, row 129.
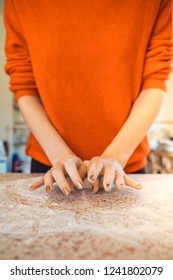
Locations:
column 85, row 163
column 58, row 166
column 95, row 167
column 95, row 160
column 110, row 171
column 92, row 168
column 53, row 172
column 73, row 158
column 45, row 176
column 69, row 162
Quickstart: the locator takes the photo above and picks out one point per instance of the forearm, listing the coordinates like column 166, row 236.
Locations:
column 142, row 115
column 37, row 120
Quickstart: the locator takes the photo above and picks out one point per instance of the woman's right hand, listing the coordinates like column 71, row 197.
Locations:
column 64, row 161
column 68, row 165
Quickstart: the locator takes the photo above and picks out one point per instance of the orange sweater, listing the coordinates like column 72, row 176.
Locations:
column 88, row 60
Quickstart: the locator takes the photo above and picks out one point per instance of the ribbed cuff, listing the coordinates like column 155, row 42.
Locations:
column 20, row 93
column 154, row 83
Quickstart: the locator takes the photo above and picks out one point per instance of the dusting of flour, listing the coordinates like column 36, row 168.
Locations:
column 125, row 224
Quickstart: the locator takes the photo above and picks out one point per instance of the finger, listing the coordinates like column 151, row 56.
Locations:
column 37, row 184
column 93, row 171
column 119, row 180
column 71, row 185
column 83, row 169
column 96, row 186
column 82, row 172
column 71, row 169
column 86, row 163
column 48, row 181
column 61, row 181
column 108, row 178
column 132, row 183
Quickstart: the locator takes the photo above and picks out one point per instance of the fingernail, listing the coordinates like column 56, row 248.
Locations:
column 48, row 189
column 139, row 187
column 91, row 178
column 79, row 185
column 94, row 191
column 108, row 186
column 67, row 192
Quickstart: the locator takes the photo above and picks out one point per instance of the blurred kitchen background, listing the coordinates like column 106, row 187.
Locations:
column 14, row 132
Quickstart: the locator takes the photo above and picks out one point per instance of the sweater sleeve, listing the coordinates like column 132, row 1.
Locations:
column 18, row 63
column 157, row 64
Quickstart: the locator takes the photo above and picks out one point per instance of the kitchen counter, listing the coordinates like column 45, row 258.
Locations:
column 125, row 224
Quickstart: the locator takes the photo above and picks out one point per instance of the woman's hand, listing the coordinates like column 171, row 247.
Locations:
column 66, row 166
column 112, row 172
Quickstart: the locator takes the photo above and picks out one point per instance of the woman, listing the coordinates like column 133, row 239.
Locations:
column 89, row 78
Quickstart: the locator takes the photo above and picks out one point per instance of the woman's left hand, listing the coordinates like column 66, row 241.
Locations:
column 112, row 172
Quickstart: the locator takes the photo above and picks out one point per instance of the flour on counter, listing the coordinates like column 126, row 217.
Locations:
column 125, row 224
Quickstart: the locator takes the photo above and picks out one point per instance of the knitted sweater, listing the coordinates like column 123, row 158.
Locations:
column 87, row 60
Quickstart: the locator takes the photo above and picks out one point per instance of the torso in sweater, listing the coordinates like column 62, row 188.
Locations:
column 87, row 58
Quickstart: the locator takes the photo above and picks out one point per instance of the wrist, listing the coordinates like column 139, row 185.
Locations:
column 120, row 156
column 59, row 156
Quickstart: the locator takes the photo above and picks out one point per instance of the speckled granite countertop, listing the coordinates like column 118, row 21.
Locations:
column 125, row 224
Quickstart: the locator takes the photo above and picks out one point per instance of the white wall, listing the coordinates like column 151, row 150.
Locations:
column 5, row 95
